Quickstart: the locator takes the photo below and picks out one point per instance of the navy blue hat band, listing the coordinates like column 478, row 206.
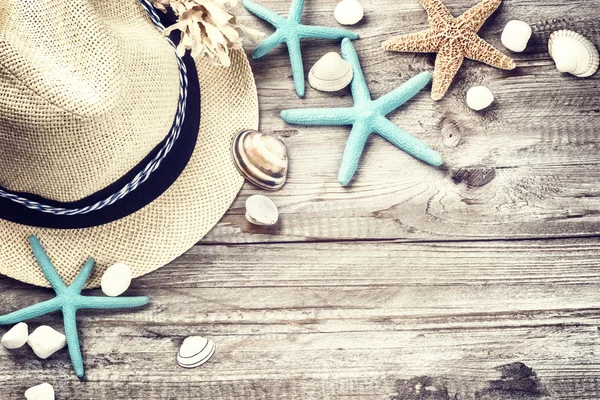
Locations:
column 140, row 186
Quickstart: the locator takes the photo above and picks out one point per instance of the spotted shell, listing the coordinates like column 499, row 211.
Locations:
column 330, row 73
column 573, row 53
column 261, row 158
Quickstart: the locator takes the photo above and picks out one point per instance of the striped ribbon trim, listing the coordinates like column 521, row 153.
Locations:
column 152, row 166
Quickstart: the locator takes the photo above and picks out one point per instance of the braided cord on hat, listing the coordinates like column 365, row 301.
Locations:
column 152, row 166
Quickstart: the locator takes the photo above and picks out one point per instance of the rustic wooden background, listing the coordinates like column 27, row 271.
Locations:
column 480, row 280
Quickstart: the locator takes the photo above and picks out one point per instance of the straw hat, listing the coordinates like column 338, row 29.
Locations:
column 111, row 146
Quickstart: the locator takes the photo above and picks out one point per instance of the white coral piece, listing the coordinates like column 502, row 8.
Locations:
column 207, row 28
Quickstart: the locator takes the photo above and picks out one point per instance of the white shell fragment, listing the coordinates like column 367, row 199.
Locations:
column 573, row 53
column 45, row 341
column 116, row 279
column 195, row 351
column 348, row 12
column 479, row 97
column 16, row 337
column 516, row 35
column 261, row 210
column 45, row 391
column 330, row 73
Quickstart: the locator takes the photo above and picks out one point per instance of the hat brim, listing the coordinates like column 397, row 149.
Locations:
column 170, row 225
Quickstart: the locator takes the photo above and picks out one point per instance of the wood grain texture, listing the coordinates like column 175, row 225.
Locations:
column 538, row 146
column 477, row 281
column 341, row 320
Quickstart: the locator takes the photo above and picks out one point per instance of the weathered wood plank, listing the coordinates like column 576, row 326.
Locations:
column 328, row 366
column 427, row 314
column 335, row 320
column 533, row 157
column 520, row 202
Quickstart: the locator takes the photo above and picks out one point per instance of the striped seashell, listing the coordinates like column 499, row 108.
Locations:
column 195, row 351
column 330, row 73
column 573, row 53
column 261, row 158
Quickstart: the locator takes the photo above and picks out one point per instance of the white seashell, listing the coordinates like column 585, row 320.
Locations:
column 573, row 53
column 479, row 97
column 330, row 73
column 515, row 35
column 195, row 351
column 45, row 341
column 260, row 210
column 16, row 337
column 261, row 158
column 348, row 12
column 45, row 391
column 116, row 279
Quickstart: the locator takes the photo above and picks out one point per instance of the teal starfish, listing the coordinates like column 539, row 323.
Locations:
column 368, row 116
column 291, row 31
column 68, row 300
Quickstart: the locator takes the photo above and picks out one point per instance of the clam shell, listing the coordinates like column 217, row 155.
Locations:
column 261, row 158
column 348, row 12
column 330, row 73
column 260, row 210
column 195, row 351
column 573, row 53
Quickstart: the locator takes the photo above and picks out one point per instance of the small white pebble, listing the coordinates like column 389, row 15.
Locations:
column 45, row 391
column 116, row 280
column 46, row 341
column 479, row 97
column 516, row 35
column 16, row 337
column 348, row 12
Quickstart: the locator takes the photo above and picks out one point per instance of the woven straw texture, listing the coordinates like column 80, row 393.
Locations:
column 67, row 134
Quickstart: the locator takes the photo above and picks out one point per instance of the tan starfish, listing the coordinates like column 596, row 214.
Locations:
column 452, row 39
